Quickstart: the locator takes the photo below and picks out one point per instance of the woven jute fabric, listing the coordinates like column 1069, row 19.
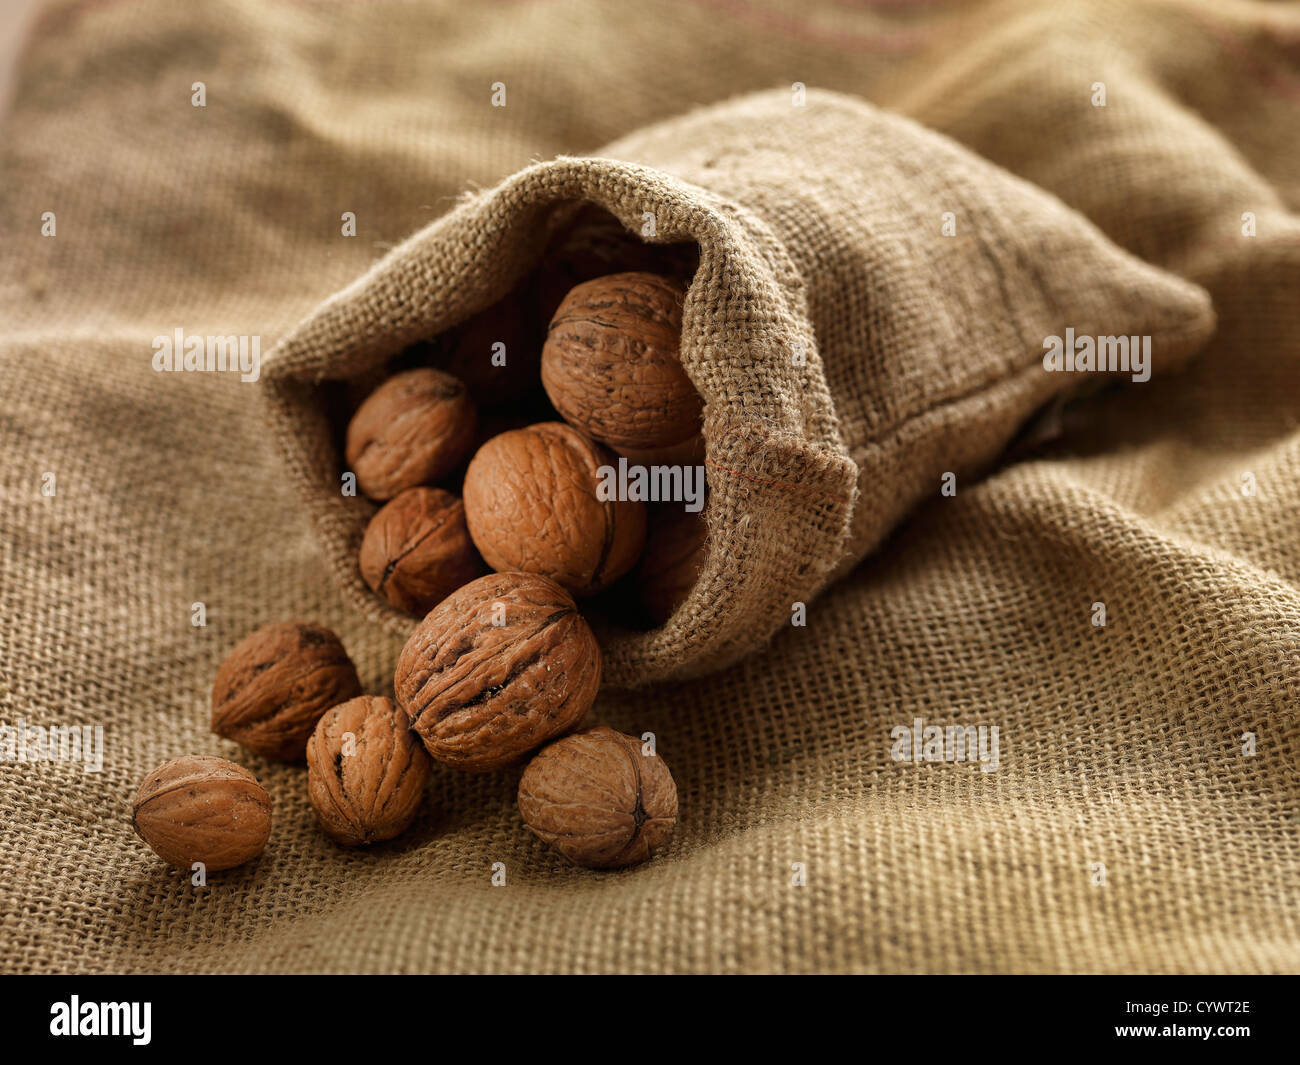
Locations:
column 849, row 348
column 1113, row 168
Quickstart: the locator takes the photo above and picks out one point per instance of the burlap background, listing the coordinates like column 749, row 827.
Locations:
column 1120, row 745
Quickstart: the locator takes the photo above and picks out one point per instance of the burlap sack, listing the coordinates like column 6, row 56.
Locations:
column 869, row 314
column 1143, row 815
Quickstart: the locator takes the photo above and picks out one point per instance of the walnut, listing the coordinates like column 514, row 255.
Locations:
column 675, row 553
column 417, row 550
column 273, row 687
column 532, row 504
column 598, row 799
column 611, row 367
column 468, row 352
column 413, row 429
column 593, row 245
column 366, row 771
column 688, row 452
column 202, row 809
column 496, row 669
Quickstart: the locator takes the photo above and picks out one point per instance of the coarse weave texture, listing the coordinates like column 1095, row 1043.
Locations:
column 1124, row 827
column 849, row 352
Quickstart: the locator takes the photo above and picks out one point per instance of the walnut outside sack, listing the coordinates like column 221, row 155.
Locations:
column 869, row 313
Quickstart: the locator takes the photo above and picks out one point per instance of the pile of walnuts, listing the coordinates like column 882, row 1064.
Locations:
column 528, row 501
column 503, row 664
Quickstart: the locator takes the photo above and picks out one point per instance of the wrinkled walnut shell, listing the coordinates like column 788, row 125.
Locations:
column 413, row 429
column 468, row 351
column 611, row 363
column 366, row 771
column 593, row 245
column 273, row 687
column 688, row 452
column 675, row 553
column 416, row 551
column 202, row 809
column 481, row 695
column 598, row 800
column 531, row 505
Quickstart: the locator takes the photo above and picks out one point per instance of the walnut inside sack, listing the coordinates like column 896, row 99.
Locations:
column 532, row 504
column 413, row 429
column 611, row 364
